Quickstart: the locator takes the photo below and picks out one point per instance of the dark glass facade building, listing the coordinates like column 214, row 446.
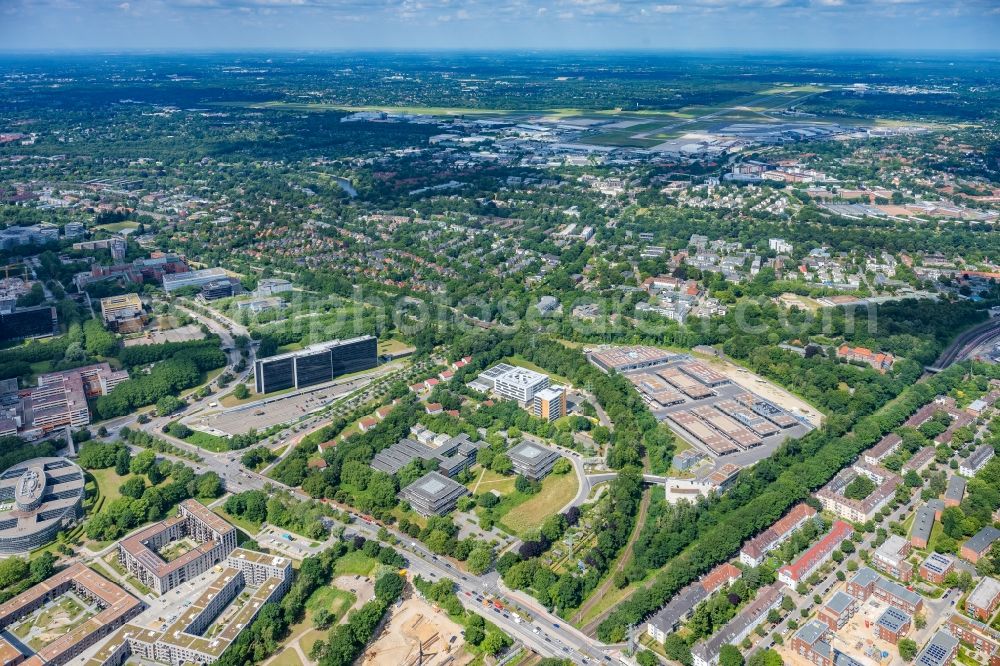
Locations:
column 316, row 364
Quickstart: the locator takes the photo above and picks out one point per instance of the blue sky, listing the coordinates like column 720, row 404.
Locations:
column 498, row 24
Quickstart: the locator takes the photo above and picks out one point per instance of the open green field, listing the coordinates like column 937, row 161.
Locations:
column 557, row 490
column 522, row 362
column 250, row 528
column 484, row 480
column 333, row 599
column 208, row 441
column 355, row 563
column 116, row 227
column 393, row 346
column 287, row 658
column 108, row 483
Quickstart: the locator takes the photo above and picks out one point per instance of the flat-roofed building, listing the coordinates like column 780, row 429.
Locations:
column 116, row 607
column 837, row 610
column 550, row 403
column 532, row 460
column 38, row 499
column 984, row 598
column 980, row 636
column 890, row 558
column 433, row 494
column 940, row 650
column 893, row 624
column 215, row 538
column 316, row 364
column 123, row 313
column 174, row 281
column 622, row 359
column 207, row 626
column 936, row 566
column 520, row 384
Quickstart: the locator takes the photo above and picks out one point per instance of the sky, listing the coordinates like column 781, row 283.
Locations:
column 759, row 25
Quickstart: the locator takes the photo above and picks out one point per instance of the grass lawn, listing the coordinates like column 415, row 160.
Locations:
column 557, row 490
column 207, row 441
column 333, row 599
column 522, row 362
column 287, row 658
column 115, row 227
column 485, row 480
column 355, row 563
column 242, row 523
column 393, row 346
column 108, row 483
column 310, row 638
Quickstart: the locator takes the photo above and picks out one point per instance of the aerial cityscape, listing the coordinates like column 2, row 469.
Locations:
column 573, row 332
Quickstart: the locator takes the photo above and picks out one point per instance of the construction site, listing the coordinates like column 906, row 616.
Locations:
column 418, row 634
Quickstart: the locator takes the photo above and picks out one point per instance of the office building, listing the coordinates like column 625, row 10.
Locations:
column 22, row 323
column 123, row 313
column 38, row 499
column 315, row 364
column 224, row 288
column 433, row 494
column 520, row 384
column 550, row 403
column 174, row 281
column 532, row 461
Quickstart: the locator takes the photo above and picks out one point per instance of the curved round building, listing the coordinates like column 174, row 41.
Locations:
column 38, row 498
